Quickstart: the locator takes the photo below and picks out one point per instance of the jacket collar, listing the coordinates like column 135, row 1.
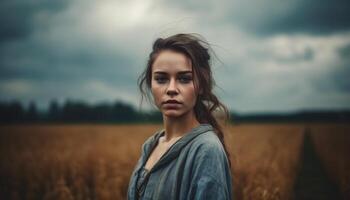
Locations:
column 176, row 148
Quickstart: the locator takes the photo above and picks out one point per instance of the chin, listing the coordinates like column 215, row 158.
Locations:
column 172, row 113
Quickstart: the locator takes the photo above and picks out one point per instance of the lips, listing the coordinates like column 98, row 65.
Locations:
column 172, row 101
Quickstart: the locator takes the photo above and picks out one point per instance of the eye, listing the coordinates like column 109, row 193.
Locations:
column 185, row 79
column 160, row 79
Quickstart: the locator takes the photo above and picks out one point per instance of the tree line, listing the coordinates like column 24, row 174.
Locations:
column 121, row 112
column 74, row 112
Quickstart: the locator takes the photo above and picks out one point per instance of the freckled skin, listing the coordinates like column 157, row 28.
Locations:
column 172, row 84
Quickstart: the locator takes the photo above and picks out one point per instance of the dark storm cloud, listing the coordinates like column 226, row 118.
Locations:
column 17, row 16
column 313, row 17
column 52, row 49
column 268, row 17
column 49, row 64
column 42, row 58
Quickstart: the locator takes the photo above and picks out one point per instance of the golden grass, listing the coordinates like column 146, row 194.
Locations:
column 69, row 162
column 95, row 161
column 265, row 160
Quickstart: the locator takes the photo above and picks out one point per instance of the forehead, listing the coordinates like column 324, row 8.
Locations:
column 171, row 62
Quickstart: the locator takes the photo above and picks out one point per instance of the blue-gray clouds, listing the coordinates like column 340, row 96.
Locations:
column 276, row 56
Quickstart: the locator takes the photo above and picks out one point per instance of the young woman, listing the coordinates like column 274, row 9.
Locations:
column 187, row 159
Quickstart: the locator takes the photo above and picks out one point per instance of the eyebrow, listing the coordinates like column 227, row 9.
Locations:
column 181, row 72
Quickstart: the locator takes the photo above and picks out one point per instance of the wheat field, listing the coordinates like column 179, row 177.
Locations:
column 95, row 161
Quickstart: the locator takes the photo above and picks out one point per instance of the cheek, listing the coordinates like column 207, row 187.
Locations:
column 156, row 92
column 190, row 93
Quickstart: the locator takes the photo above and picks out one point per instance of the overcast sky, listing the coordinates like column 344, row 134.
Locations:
column 275, row 55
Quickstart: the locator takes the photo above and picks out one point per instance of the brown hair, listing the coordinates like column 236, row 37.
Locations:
column 197, row 50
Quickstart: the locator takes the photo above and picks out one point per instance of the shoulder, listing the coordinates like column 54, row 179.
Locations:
column 208, row 142
column 210, row 170
column 207, row 152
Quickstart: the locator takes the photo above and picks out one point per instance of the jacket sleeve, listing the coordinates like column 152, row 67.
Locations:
column 211, row 176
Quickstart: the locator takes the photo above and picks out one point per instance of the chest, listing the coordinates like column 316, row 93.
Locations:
column 172, row 180
column 155, row 156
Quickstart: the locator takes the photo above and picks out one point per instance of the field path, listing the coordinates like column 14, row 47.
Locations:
column 312, row 181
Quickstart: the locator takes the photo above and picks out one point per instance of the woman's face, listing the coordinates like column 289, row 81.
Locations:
column 172, row 79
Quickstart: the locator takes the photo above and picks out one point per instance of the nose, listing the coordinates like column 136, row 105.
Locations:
column 172, row 88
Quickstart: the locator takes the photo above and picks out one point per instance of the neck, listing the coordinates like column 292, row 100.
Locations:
column 177, row 127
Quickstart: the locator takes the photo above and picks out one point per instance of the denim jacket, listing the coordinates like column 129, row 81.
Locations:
column 194, row 167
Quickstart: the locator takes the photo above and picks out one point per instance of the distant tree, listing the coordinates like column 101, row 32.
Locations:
column 54, row 112
column 152, row 116
column 76, row 111
column 123, row 112
column 32, row 112
column 102, row 112
column 11, row 112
